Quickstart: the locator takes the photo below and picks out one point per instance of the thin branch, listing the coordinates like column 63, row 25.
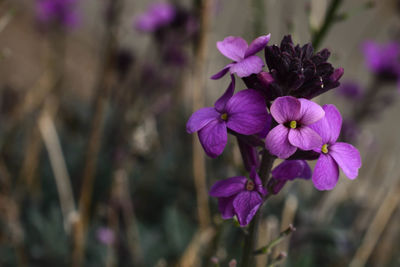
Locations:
column 199, row 168
column 53, row 146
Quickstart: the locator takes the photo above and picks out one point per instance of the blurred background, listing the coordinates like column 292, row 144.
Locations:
column 96, row 167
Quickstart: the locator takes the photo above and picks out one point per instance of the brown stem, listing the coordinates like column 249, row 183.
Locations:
column 102, row 88
column 199, row 169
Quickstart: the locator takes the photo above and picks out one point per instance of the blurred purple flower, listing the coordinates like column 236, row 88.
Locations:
column 239, row 196
column 350, row 132
column 288, row 171
column 157, row 15
column 245, row 62
column 244, row 113
column 333, row 154
column 293, row 115
column 62, row 12
column 350, row 90
column 383, row 59
column 105, row 235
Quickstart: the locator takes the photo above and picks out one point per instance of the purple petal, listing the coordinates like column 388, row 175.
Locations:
column 304, row 138
column 257, row 45
column 221, row 102
column 233, row 47
column 247, row 112
column 310, row 112
column 247, row 66
column 278, row 144
column 286, row 108
column 228, row 187
column 329, row 127
column 291, row 169
column 334, row 120
column 225, row 206
column 326, row 173
column 222, row 72
column 201, row 118
column 213, row 137
column 267, row 127
column 246, row 205
column 347, row 157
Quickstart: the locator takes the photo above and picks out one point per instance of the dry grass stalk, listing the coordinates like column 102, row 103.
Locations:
column 288, row 216
column 378, row 224
column 199, row 168
column 194, row 251
column 59, row 167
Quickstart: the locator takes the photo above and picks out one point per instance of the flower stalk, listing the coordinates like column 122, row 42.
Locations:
column 267, row 249
column 251, row 238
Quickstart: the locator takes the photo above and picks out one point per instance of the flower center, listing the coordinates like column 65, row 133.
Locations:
column 293, row 124
column 224, row 116
column 324, row 149
column 250, row 186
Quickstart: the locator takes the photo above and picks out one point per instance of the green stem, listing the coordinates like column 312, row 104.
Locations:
column 330, row 18
column 251, row 238
column 267, row 249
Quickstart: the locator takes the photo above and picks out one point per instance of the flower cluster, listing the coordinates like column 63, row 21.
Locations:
column 275, row 114
column 172, row 26
column 383, row 60
column 57, row 12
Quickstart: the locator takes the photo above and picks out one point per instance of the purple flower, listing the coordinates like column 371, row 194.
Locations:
column 383, row 59
column 350, row 90
column 333, row 154
column 157, row 16
column 244, row 113
column 239, row 196
column 293, row 116
column 105, row 235
column 62, row 12
column 245, row 62
column 288, row 171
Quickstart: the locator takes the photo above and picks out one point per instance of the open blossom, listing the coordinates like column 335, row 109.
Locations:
column 383, row 59
column 333, row 154
column 62, row 12
column 288, row 171
column 157, row 16
column 245, row 113
column 239, row 196
column 293, row 117
column 245, row 62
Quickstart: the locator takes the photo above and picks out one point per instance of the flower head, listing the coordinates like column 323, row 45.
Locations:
column 245, row 62
column 105, row 235
column 239, row 196
column 383, row 59
column 298, row 72
column 62, row 12
column 244, row 113
column 293, row 117
column 288, row 171
column 157, row 16
column 333, row 154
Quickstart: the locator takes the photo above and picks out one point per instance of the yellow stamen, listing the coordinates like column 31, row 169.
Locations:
column 224, row 116
column 293, row 124
column 324, row 149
